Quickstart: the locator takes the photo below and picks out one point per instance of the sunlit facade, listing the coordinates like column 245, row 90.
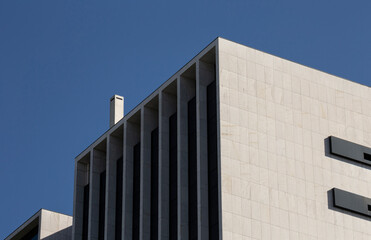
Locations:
column 238, row 144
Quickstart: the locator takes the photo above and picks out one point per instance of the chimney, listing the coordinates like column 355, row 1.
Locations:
column 116, row 109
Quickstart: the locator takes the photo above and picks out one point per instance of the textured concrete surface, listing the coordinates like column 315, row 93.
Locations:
column 55, row 226
column 275, row 118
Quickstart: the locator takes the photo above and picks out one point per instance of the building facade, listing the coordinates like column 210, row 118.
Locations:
column 238, row 144
column 44, row 225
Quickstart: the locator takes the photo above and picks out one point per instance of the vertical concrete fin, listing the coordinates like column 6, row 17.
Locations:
column 114, row 158
column 97, row 167
column 130, row 212
column 81, row 181
column 186, row 92
column 149, row 171
column 167, row 108
column 205, row 76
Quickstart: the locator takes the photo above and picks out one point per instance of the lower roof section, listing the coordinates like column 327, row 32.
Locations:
column 43, row 224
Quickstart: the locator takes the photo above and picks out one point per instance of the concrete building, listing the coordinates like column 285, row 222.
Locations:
column 238, row 144
column 44, row 225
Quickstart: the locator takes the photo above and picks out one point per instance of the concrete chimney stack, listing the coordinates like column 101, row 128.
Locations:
column 116, row 109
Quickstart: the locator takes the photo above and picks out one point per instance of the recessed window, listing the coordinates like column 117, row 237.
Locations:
column 350, row 150
column 367, row 156
column 351, row 202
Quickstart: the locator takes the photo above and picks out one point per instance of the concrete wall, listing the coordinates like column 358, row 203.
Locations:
column 276, row 171
column 55, row 226
column 275, row 117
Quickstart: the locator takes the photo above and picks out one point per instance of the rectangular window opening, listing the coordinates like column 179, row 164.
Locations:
column 192, row 170
column 136, row 192
column 102, row 203
column 367, row 156
column 85, row 213
column 351, row 202
column 212, row 149
column 173, row 188
column 154, row 184
column 119, row 182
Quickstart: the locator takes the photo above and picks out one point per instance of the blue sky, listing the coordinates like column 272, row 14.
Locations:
column 61, row 61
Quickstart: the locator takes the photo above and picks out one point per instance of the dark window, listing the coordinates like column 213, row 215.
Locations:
column 85, row 213
column 136, row 191
column 102, row 203
column 192, row 169
column 119, row 182
column 212, row 162
column 173, row 215
column 154, row 184
column 350, row 150
column 351, row 202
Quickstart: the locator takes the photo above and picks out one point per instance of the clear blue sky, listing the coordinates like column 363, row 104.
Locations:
column 61, row 61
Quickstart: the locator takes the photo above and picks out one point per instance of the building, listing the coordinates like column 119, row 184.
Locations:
column 238, row 144
column 45, row 225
